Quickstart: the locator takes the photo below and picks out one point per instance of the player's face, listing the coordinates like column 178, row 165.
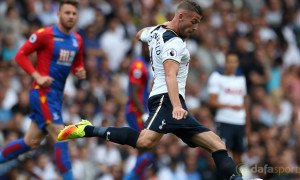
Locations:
column 232, row 63
column 67, row 16
column 188, row 23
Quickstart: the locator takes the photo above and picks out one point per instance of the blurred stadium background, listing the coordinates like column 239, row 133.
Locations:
column 264, row 33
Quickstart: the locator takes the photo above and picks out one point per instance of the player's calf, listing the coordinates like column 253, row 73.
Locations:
column 122, row 135
column 209, row 141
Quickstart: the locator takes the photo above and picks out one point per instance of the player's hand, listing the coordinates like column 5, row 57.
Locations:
column 44, row 81
column 179, row 113
column 145, row 117
column 80, row 73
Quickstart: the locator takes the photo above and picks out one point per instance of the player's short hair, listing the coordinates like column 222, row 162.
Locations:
column 231, row 53
column 190, row 5
column 71, row 2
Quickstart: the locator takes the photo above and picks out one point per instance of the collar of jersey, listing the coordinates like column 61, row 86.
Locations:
column 164, row 27
column 238, row 71
column 63, row 34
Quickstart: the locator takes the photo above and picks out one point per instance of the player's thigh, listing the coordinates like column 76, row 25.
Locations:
column 186, row 128
column 148, row 139
column 54, row 130
column 34, row 136
column 46, row 107
column 209, row 141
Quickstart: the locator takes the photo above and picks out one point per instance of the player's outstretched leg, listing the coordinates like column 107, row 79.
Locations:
column 84, row 128
column 13, row 150
column 143, row 161
column 62, row 160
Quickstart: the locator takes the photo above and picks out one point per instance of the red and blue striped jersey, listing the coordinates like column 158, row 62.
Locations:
column 139, row 74
column 57, row 55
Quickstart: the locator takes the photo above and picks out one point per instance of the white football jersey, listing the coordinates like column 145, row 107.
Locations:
column 231, row 90
column 166, row 45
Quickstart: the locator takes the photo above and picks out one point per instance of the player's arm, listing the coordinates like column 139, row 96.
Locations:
column 171, row 70
column 139, row 33
column 214, row 103
column 144, row 37
column 134, row 90
column 172, row 53
column 144, row 34
column 136, row 78
column 248, row 123
column 78, row 66
column 34, row 43
column 247, row 111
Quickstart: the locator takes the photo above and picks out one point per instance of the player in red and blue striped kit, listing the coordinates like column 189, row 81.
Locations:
column 137, row 109
column 59, row 51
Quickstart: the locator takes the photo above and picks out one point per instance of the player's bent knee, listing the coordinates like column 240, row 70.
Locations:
column 219, row 144
column 145, row 144
column 33, row 144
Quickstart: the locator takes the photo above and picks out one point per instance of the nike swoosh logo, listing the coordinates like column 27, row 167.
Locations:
column 79, row 125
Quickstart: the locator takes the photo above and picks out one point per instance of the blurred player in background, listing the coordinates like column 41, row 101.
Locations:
column 59, row 51
column 228, row 94
column 137, row 109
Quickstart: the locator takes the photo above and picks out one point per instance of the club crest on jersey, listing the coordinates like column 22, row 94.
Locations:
column 172, row 53
column 75, row 44
column 66, row 57
column 55, row 116
column 33, row 38
column 137, row 73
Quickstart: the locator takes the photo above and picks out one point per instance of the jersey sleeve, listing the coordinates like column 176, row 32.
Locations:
column 213, row 85
column 137, row 73
column 173, row 50
column 34, row 43
column 146, row 34
column 78, row 62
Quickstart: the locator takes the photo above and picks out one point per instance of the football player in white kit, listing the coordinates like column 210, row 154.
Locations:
column 228, row 94
column 168, row 112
